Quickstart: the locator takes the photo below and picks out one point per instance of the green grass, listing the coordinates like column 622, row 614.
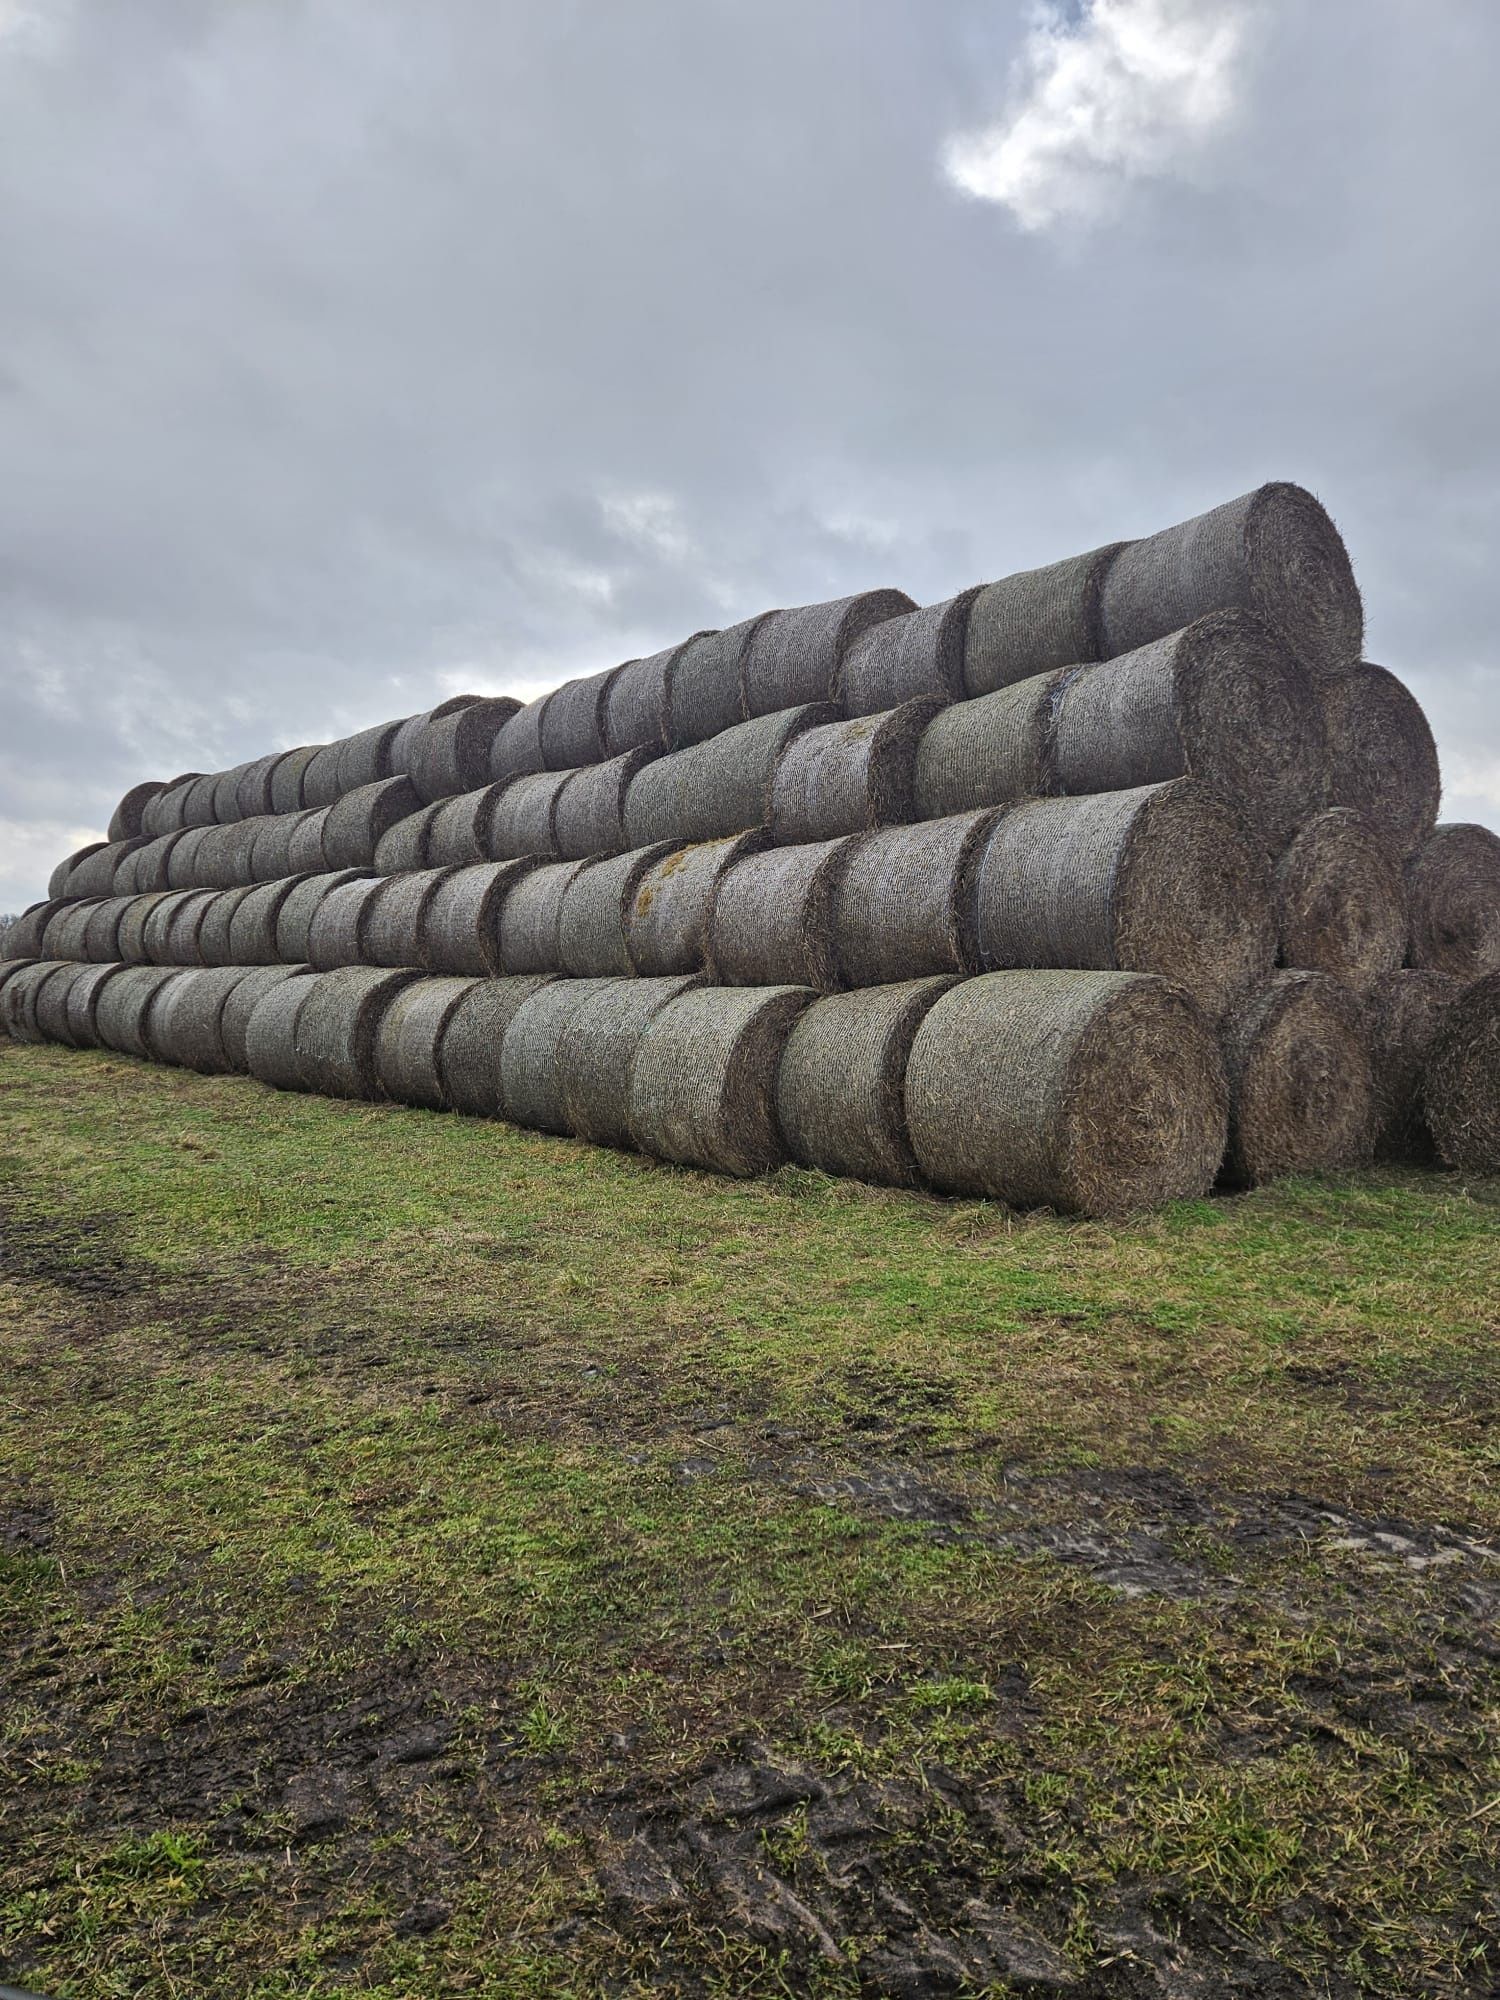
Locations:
column 321, row 1424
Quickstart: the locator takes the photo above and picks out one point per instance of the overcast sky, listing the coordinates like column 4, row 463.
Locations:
column 354, row 352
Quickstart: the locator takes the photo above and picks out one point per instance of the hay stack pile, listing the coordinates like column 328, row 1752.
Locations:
column 1088, row 887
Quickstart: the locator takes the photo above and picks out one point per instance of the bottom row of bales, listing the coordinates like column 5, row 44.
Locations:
column 1089, row 1092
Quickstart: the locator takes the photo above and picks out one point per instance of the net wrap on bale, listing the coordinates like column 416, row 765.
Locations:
column 905, row 905
column 595, row 1051
column 469, row 1053
column 408, row 1045
column 770, row 920
column 1382, row 760
column 703, row 1082
column 917, row 655
column 1402, row 1014
column 717, row 788
column 797, row 656
column 1035, row 621
column 846, row 777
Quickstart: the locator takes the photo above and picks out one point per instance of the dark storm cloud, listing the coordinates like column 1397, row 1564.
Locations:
column 352, row 353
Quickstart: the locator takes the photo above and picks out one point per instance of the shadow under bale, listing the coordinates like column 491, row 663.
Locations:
column 1402, row 1014
column 847, row 777
column 703, row 1083
column 596, row 1049
column 1382, row 760
column 1301, row 1090
column 1461, row 1088
column 1340, row 900
column 1095, row 1093
column 905, row 906
column 1453, row 895
column 1035, row 621
column 771, row 917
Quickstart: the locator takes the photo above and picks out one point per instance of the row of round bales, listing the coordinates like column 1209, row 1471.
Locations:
column 1015, row 695
column 1098, row 1093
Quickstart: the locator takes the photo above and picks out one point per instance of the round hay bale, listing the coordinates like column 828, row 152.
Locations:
column 101, row 939
column 271, row 854
column 125, row 821
column 145, row 867
column 572, row 725
column 405, row 845
column 1453, row 896
column 339, row 1025
column 460, row 929
column 846, row 777
column 1164, row 878
column 50, row 1003
column 469, row 1052
column 1340, row 900
column 1402, row 1014
column 294, row 918
column 1094, row 1093
column 522, row 821
column 918, row 656
column 354, row 827
column 530, row 1079
column 182, row 858
column 770, row 922
column 187, row 1023
column 336, row 934
column 57, row 881
column 270, row 1030
column 905, row 907
column 666, row 920
column 1301, row 1090
column 392, row 933
column 1461, row 1087
column 65, row 933
column 24, row 938
column 1222, row 701
column 156, row 926
column 21, row 994
column 82, row 1003
column 95, row 874
column 1035, row 622
column 365, row 758
column 198, row 804
column 126, row 1005
column 716, row 788
column 638, row 704
column 240, row 1003
column 461, row 829
column 213, row 859
column 184, row 927
column 252, row 922
column 989, row 751
column 305, row 850
column 410, row 1039
column 529, row 918
column 798, row 655
column 589, row 813
column 163, row 813
column 227, row 795
column 705, row 690
column 9, row 967
column 289, row 776
column 703, row 1083
column 1382, row 760
column 131, row 937
column 409, row 732
column 254, row 795
column 592, row 935
column 517, row 751
column 453, row 752
column 596, row 1048
column 215, row 932
column 840, row 1097
column 1274, row 551
column 320, row 780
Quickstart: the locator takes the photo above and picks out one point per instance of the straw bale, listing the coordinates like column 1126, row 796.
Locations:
column 101, row 940
column 410, row 1040
column 188, row 1022
column 638, row 704
column 57, row 881
column 20, row 993
column 572, row 724
column 1223, row 701
column 716, row 788
column 453, row 752
column 517, row 750
column 406, row 844
column 240, row 1004
column 294, row 918
column 269, row 1036
column 252, row 922
column 227, row 795
column 305, row 849
column 52, row 998
column 1461, row 1085
column 530, row 1078
column 840, row 1088
column 797, row 655
column 846, row 777
column 214, row 857
column 1453, row 892
column 215, row 937
column 365, row 758
column 703, row 1082
column 409, row 733
column 1162, row 878
column 64, row 935
column 179, row 944
column 521, row 823
column 462, row 829
column 592, row 940
column 705, row 689
column 130, row 939
column 255, row 792
column 1274, row 551
column 24, row 938
column 1381, row 756
column 469, row 1052
column 392, row 931
column 770, row 922
column 336, row 935
column 320, row 780
column 123, row 1014
column 462, row 928
column 163, row 813
column 337, row 1029
column 156, row 925
column 1035, row 622
column 145, row 867
column 95, row 874
column 1402, row 1014
column 529, row 917
column 9, row 967
column 589, row 815
column 989, row 751
column 917, row 656
column 182, row 857
column 198, row 801
column 354, row 826
column 596, row 1048
column 1301, row 1088
column 289, row 776
column 125, row 821
column 666, row 922
column 271, row 854
column 83, row 1004
column 1340, row 900
column 905, row 908
column 1095, row 1093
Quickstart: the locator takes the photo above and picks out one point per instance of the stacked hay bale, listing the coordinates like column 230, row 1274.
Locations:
column 1084, row 887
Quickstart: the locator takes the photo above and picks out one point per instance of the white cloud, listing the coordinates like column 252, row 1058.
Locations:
column 651, row 521
column 1133, row 89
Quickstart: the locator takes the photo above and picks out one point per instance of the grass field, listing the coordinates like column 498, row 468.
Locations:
column 436, row 1559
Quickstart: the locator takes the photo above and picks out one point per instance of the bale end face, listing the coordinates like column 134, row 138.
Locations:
column 1382, row 759
column 1340, row 901
column 1453, row 887
column 1461, row 1088
column 1302, row 1096
column 1403, row 1013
